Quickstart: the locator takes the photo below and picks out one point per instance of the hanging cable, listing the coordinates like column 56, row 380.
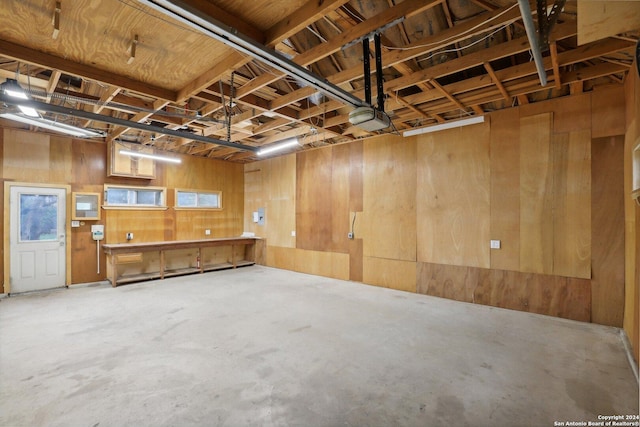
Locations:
column 231, row 93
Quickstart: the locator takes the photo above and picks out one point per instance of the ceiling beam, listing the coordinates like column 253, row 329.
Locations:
column 407, row 8
column 45, row 60
column 309, row 13
column 482, row 23
column 497, row 81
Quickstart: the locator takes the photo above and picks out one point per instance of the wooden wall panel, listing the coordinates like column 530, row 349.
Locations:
column 608, row 111
column 356, row 206
column 340, row 186
column 505, row 188
column 89, row 162
column 271, row 184
column 453, row 213
column 3, row 210
column 328, row 264
column 536, row 194
column 388, row 222
column 313, row 200
column 88, row 172
column 20, row 167
column 254, row 193
column 571, row 160
column 279, row 257
column 390, row 273
column 356, row 177
column 447, row 281
column 631, row 320
column 570, row 113
column 356, row 260
column 84, row 266
column 280, row 179
column 146, row 225
column 535, row 293
column 607, row 231
column 192, row 224
column 60, row 157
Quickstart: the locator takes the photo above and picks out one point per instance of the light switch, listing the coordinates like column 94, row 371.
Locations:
column 495, row 244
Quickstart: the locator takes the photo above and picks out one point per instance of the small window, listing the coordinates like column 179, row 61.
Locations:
column 198, row 199
column 147, row 197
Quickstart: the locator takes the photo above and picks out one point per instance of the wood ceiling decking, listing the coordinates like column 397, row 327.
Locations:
column 444, row 60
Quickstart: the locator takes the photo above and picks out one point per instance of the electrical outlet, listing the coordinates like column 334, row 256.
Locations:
column 495, row 244
column 207, row 232
column 129, row 236
column 350, row 236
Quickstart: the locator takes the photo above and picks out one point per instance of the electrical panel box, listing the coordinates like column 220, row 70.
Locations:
column 97, row 232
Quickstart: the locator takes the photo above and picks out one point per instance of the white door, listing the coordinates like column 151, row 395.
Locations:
column 37, row 238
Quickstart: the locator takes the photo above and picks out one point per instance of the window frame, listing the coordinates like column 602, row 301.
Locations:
column 218, row 193
column 135, row 206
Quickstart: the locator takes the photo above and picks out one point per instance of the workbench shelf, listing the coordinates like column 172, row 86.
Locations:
column 135, row 262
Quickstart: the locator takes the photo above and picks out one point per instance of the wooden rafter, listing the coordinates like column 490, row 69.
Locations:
column 496, row 81
column 553, row 47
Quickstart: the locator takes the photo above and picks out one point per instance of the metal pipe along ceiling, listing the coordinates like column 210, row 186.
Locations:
column 530, row 28
column 41, row 106
column 213, row 28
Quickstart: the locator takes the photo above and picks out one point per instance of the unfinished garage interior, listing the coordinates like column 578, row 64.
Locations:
column 319, row 213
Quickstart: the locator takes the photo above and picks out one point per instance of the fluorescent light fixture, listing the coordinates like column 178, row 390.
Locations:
column 28, row 111
column 51, row 125
column 287, row 143
column 150, row 156
column 16, row 93
column 12, row 88
column 443, row 126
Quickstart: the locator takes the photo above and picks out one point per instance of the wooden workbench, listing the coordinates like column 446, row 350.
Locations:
column 133, row 262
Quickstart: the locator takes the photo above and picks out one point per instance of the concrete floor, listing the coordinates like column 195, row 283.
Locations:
column 260, row 346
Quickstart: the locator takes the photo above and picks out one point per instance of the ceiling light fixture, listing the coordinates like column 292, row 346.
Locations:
column 448, row 125
column 51, row 125
column 283, row 145
column 196, row 19
column 150, row 156
column 12, row 88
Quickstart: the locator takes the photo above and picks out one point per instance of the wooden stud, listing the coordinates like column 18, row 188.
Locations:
column 554, row 61
column 447, row 95
column 132, row 49
column 53, row 82
column 56, row 20
column 477, row 109
column 497, row 81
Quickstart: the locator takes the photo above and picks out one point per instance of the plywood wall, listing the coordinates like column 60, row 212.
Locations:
column 505, row 188
column 632, row 216
column 453, row 187
column 271, row 184
column 43, row 158
column 607, row 207
column 388, row 222
column 536, row 194
column 426, row 208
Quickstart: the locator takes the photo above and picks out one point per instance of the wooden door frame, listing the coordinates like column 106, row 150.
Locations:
column 7, row 228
